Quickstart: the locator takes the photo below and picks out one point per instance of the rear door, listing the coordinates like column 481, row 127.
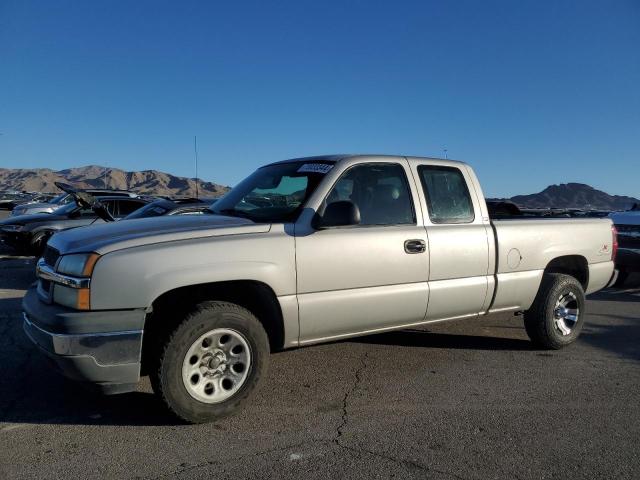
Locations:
column 458, row 241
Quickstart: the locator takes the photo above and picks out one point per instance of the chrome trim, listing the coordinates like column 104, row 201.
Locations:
column 109, row 348
column 47, row 273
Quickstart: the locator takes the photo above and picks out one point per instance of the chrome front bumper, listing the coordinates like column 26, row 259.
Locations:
column 109, row 358
column 111, row 348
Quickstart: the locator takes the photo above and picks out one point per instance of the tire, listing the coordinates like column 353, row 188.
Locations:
column 200, row 375
column 549, row 326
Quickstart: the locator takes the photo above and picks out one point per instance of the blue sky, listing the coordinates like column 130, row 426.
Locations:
column 529, row 92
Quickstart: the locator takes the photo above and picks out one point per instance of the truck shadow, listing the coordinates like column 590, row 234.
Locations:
column 627, row 295
column 31, row 393
column 620, row 338
column 427, row 339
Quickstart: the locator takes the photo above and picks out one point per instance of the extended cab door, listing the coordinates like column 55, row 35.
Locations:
column 368, row 276
column 458, row 240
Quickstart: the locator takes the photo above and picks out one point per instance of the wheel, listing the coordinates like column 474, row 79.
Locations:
column 212, row 362
column 39, row 242
column 556, row 317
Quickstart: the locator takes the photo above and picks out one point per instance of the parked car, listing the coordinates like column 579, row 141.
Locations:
column 171, row 207
column 9, row 203
column 334, row 247
column 30, row 233
column 8, row 200
column 66, row 198
column 628, row 258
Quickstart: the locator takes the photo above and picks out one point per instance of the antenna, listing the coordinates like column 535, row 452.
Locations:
column 195, row 150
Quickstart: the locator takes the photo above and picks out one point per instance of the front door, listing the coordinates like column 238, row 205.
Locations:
column 364, row 277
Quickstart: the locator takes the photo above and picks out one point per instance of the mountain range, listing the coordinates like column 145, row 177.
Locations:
column 573, row 195
column 154, row 182
column 150, row 182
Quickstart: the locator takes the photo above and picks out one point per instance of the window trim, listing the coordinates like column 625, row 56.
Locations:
column 323, row 204
column 425, row 191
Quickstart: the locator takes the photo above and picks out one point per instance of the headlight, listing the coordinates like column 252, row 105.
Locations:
column 12, row 228
column 78, row 265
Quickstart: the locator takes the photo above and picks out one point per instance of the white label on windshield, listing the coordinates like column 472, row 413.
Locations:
column 315, row 168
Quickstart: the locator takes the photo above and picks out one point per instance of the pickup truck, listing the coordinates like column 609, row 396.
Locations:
column 302, row 251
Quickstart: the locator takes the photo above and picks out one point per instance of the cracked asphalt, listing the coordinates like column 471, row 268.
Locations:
column 464, row 400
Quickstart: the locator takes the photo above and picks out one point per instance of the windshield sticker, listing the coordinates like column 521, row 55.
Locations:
column 315, row 168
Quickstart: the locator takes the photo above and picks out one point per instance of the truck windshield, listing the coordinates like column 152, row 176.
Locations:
column 275, row 193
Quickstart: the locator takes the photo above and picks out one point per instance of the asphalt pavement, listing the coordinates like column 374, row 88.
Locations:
column 464, row 400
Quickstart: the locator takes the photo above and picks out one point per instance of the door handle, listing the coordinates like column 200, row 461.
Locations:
column 415, row 246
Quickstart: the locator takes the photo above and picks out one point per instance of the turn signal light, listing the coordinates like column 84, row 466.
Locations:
column 84, row 295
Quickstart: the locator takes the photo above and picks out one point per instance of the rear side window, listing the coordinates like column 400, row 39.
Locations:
column 448, row 198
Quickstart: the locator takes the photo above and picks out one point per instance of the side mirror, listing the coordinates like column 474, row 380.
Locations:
column 339, row 214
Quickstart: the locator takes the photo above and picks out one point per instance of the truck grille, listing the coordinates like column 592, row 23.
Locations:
column 51, row 256
column 628, row 236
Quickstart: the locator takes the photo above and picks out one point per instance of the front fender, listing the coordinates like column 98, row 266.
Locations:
column 135, row 277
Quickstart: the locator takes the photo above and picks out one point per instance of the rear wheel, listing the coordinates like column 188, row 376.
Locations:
column 212, row 362
column 556, row 317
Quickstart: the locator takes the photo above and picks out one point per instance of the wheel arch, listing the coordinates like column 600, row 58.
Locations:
column 573, row 265
column 257, row 297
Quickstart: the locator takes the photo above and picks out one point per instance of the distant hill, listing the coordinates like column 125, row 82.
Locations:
column 573, row 195
column 151, row 182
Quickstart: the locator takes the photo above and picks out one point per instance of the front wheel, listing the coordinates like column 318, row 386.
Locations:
column 212, row 362
column 556, row 317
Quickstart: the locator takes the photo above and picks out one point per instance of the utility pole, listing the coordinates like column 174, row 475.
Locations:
column 445, row 154
column 195, row 150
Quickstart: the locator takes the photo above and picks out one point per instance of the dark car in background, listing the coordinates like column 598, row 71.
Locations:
column 160, row 207
column 8, row 200
column 30, row 233
column 628, row 257
column 65, row 198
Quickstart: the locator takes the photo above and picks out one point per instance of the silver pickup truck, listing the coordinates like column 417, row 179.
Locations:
column 302, row 251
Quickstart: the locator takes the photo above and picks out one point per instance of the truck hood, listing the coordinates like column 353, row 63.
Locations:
column 109, row 237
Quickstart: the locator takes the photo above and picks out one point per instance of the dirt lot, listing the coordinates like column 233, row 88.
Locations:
column 466, row 400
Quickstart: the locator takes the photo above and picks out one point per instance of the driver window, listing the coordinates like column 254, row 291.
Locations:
column 379, row 190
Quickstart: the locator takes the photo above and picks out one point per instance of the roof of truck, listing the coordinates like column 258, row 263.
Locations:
column 343, row 157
